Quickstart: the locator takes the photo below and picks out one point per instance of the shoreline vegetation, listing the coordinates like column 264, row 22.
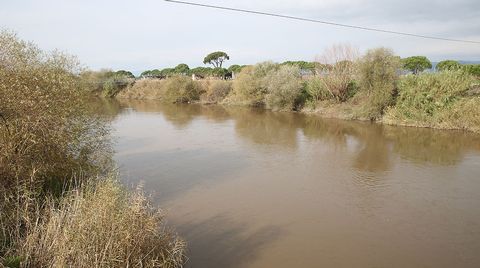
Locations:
column 377, row 86
column 60, row 200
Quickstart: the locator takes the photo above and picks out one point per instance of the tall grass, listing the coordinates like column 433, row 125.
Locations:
column 145, row 89
column 100, row 224
column 436, row 100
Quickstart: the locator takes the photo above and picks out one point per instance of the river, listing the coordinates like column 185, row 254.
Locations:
column 255, row 188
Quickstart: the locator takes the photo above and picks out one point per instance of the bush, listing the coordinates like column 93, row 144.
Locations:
column 317, row 90
column 217, row 91
column 145, row 89
column 337, row 67
column 101, row 225
column 473, row 69
column 378, row 74
column 181, row 89
column 283, row 87
column 106, row 82
column 113, row 85
column 249, row 88
column 48, row 136
column 47, row 132
column 436, row 100
column 448, row 65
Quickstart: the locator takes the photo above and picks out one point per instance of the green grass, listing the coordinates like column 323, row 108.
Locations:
column 436, row 100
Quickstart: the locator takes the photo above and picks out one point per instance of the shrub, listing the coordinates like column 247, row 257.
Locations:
column 436, row 100
column 317, row 90
column 181, row 89
column 48, row 135
column 217, row 90
column 145, row 89
column 283, row 87
column 378, row 73
column 47, row 132
column 473, row 69
column 337, row 67
column 448, row 65
column 100, row 225
column 249, row 88
column 112, row 86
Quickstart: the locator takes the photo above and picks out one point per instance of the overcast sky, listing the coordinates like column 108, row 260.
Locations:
column 149, row 34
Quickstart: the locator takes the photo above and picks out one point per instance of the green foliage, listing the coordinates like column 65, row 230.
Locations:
column 202, row 72
column 106, row 82
column 109, row 88
column 473, row 69
column 181, row 89
column 317, row 90
column 352, row 89
column 182, row 68
column 216, row 58
column 303, row 65
column 448, row 65
column 13, row 261
column 235, row 68
column 113, row 85
column 167, row 72
column 152, row 74
column 124, row 73
column 283, row 88
column 422, row 98
column 219, row 72
column 378, row 73
column 416, row 64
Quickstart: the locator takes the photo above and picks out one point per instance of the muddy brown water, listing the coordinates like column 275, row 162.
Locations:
column 254, row 188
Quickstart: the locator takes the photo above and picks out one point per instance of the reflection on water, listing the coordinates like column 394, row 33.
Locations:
column 254, row 188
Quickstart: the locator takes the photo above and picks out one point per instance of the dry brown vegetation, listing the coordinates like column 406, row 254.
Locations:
column 215, row 91
column 144, row 89
column 48, row 136
column 337, row 70
column 101, row 225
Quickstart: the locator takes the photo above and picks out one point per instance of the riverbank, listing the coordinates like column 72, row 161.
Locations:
column 375, row 92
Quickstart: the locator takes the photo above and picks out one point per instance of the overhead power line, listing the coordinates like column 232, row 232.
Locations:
column 323, row 22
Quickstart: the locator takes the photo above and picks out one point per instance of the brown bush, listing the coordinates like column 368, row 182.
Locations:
column 216, row 91
column 101, row 225
column 145, row 89
column 337, row 70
